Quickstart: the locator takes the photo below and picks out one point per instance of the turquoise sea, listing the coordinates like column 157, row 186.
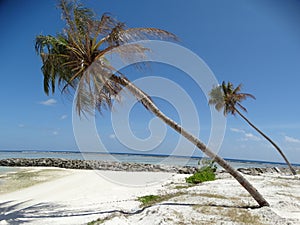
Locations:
column 121, row 157
column 4, row 170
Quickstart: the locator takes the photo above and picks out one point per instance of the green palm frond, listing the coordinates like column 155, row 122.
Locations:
column 227, row 97
column 77, row 57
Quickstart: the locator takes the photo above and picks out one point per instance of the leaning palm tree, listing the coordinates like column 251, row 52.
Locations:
column 76, row 59
column 229, row 99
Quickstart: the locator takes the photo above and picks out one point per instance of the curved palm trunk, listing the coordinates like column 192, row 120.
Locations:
column 147, row 102
column 266, row 137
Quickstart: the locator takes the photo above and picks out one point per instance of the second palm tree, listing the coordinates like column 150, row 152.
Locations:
column 229, row 99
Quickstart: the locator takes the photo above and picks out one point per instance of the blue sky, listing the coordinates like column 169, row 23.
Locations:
column 256, row 43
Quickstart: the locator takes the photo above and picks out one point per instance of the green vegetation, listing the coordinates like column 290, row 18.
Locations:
column 100, row 221
column 149, row 200
column 95, row 222
column 205, row 173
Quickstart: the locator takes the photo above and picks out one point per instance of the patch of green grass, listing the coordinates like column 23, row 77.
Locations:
column 204, row 174
column 96, row 222
column 149, row 200
column 102, row 220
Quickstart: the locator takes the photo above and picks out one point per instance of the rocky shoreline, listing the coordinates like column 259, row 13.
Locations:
column 95, row 164
column 269, row 170
column 123, row 166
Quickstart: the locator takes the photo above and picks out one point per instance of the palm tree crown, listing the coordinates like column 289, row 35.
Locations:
column 67, row 58
column 227, row 97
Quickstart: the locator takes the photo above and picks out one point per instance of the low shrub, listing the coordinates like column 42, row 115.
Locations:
column 205, row 173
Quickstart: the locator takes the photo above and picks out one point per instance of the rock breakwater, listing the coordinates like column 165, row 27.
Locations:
column 124, row 166
column 95, row 164
column 270, row 170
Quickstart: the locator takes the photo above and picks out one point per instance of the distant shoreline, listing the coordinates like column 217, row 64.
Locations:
column 84, row 155
column 124, row 166
column 95, row 164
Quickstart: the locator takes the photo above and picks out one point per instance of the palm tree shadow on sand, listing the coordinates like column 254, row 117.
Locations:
column 17, row 213
column 14, row 214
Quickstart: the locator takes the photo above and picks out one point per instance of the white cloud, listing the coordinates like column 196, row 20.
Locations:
column 48, row 102
column 63, row 117
column 252, row 137
column 55, row 131
column 291, row 139
column 112, row 136
column 247, row 136
column 21, row 125
column 237, row 130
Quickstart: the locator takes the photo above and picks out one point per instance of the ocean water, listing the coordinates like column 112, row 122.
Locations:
column 134, row 158
column 4, row 170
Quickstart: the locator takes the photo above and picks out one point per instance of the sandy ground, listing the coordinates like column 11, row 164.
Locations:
column 80, row 196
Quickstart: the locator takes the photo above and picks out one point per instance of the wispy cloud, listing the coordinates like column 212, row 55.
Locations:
column 252, row 137
column 63, row 117
column 291, row 139
column 237, row 130
column 48, row 102
column 21, row 125
column 112, row 136
column 55, row 131
column 247, row 136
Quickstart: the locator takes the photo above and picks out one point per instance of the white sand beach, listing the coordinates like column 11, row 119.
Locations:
column 80, row 196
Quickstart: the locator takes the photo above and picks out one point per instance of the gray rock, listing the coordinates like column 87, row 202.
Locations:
column 93, row 164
